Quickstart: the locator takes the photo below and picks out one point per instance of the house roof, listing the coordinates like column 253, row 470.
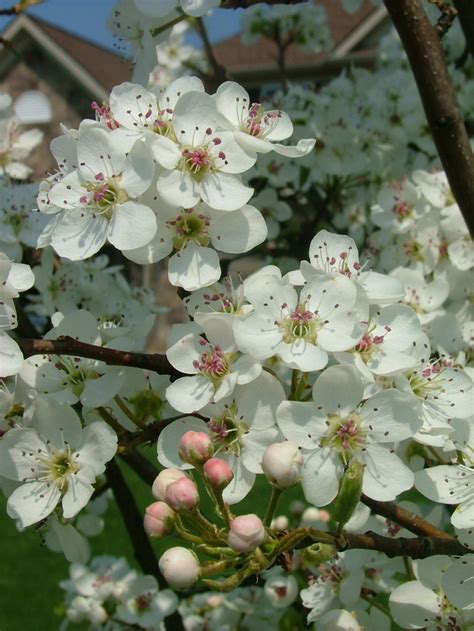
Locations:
column 347, row 32
column 95, row 67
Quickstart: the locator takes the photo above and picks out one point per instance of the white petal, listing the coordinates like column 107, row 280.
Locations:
column 138, row 171
column 168, row 441
column 99, row 445
column 194, row 267
column 179, row 189
column 132, row 226
column 79, row 234
column 224, row 191
column 11, row 357
column 338, row 390
column 302, row 423
column 79, row 491
column 33, row 501
column 166, row 152
column 413, row 606
column 391, row 416
column 238, row 231
column 321, row 473
column 190, row 394
column 385, row 475
column 100, row 391
column 302, row 148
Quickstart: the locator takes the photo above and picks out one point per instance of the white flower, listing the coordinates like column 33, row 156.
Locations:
column 213, row 361
column 256, row 128
column 96, row 201
column 398, row 207
column 274, row 210
column 189, row 231
column 341, row 428
column 241, row 428
column 11, row 357
column 301, row 330
column 450, row 484
column 57, row 463
column 334, row 253
column 202, row 163
column 15, row 146
column 144, row 605
column 14, row 278
column 70, row 379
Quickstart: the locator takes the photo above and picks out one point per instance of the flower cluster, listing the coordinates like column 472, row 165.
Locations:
column 108, row 592
column 158, row 174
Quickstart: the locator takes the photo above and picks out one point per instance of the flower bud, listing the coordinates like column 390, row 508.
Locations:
column 281, row 591
column 180, row 567
column 246, row 533
column 162, row 480
column 280, row 523
column 182, row 495
column 195, row 448
column 159, row 520
column 218, row 473
column 350, row 490
column 313, row 516
column 282, row 464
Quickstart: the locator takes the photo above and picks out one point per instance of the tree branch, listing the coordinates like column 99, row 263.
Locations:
column 408, row 520
column 423, row 48
column 66, row 345
column 219, row 73
column 465, row 9
column 418, row 548
column 133, row 521
column 142, row 467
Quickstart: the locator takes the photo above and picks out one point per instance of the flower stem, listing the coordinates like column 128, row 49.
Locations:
column 154, row 32
column 376, row 604
column 272, row 505
column 409, row 569
column 128, row 413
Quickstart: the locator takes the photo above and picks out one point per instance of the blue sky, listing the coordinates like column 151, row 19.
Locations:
column 88, row 18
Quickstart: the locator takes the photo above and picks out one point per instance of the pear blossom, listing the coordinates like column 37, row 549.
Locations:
column 213, row 361
column 144, row 604
column 15, row 146
column 303, row 329
column 334, row 253
column 398, row 207
column 97, row 200
column 188, row 232
column 273, row 209
column 240, row 427
column 144, row 113
column 202, row 163
column 254, row 127
column 341, row 427
column 57, row 463
column 69, row 379
column 195, row 8
column 450, row 484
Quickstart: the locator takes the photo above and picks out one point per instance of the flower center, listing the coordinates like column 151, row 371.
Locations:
column 402, row 210
column 213, row 363
column 77, row 374
column 227, row 431
column 57, row 467
column 197, row 161
column 300, row 324
column 147, row 405
column 259, row 122
column 190, row 225
column 103, row 195
column 345, row 435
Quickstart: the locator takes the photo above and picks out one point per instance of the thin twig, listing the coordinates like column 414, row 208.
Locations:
column 423, row 48
column 66, row 345
column 465, row 9
column 219, row 73
column 447, row 17
column 245, row 4
column 410, row 521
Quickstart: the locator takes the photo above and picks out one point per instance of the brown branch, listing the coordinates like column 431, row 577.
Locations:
column 447, row 17
column 219, row 73
column 418, row 548
column 133, row 521
column 423, row 48
column 142, row 467
column 404, row 518
column 19, row 7
column 66, row 345
column 465, row 9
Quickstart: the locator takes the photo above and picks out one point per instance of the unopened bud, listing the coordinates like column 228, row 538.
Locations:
column 281, row 591
column 163, row 479
column 313, row 516
column 180, row 567
column 280, row 523
column 159, row 520
column 318, row 553
column 350, row 490
column 218, row 473
column 282, row 464
column 182, row 495
column 246, row 533
column 195, row 448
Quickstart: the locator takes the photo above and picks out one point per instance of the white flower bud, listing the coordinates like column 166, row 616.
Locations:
column 282, row 464
column 180, row 567
column 163, row 479
column 280, row 523
column 246, row 533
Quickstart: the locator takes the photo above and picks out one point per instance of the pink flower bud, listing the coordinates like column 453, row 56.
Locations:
column 182, row 495
column 159, row 520
column 282, row 464
column 218, row 473
column 195, row 448
column 163, row 479
column 246, row 533
column 180, row 567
